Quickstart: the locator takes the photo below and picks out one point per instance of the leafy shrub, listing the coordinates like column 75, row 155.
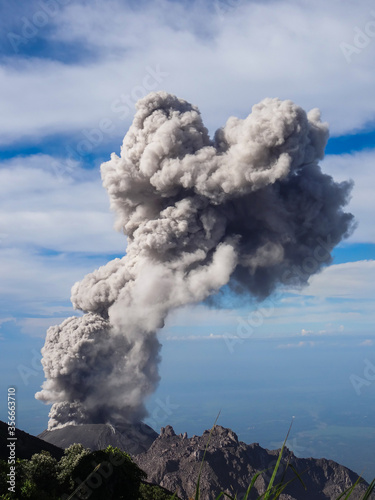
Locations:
column 29, row 489
column 151, row 492
column 109, row 474
column 67, row 465
column 42, row 470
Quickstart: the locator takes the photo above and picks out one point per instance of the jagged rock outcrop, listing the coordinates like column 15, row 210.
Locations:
column 173, row 461
column 132, row 438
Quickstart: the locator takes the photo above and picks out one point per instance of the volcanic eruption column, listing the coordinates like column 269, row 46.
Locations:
column 241, row 209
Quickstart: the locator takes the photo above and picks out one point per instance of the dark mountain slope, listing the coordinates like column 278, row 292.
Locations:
column 26, row 444
column 133, row 439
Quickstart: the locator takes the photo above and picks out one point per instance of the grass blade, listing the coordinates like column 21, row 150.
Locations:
column 269, row 488
column 349, row 491
column 197, row 489
column 298, row 476
column 369, row 490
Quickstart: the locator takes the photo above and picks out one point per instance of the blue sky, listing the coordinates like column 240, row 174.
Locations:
column 71, row 72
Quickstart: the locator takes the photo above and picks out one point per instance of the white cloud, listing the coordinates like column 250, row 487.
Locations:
column 352, row 280
column 360, row 168
column 296, row 345
column 49, row 226
column 339, row 299
column 62, row 213
column 222, row 62
column 367, row 343
column 5, row 320
column 37, row 327
column 212, row 336
column 329, row 329
column 200, row 316
column 39, row 284
column 306, row 332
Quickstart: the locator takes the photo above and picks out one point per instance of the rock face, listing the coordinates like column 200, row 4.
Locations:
column 174, row 462
column 132, row 438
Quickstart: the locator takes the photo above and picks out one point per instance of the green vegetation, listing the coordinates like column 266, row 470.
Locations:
column 109, row 474
column 151, row 492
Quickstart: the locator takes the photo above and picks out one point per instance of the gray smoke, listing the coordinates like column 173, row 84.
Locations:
column 240, row 210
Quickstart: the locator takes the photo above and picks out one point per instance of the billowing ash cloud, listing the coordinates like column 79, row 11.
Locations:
column 242, row 209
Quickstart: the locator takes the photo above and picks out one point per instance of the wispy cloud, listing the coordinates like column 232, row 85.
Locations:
column 37, row 284
column 351, row 280
column 367, row 343
column 44, row 96
column 60, row 211
column 360, row 168
column 306, row 332
column 296, row 345
column 36, row 327
column 212, row 336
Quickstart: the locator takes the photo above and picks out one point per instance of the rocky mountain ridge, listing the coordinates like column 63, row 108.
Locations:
column 173, row 461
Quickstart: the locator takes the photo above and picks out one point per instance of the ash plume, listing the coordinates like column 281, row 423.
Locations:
column 239, row 210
